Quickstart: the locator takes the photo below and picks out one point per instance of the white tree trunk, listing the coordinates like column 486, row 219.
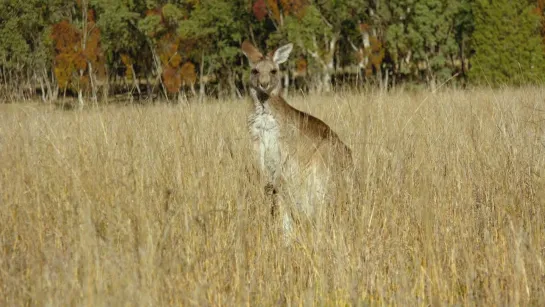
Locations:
column 81, row 102
column 135, row 81
column 202, row 91
column 326, row 60
column 84, row 6
column 326, row 79
column 286, row 83
column 158, row 68
column 93, row 83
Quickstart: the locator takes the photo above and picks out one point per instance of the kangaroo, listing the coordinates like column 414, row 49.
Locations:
column 299, row 155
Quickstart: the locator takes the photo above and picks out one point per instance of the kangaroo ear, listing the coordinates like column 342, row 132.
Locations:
column 282, row 54
column 251, row 52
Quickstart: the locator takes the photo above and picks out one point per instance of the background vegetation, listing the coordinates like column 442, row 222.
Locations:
column 159, row 205
column 96, row 49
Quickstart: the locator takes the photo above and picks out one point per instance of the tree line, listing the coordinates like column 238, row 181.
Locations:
column 96, row 50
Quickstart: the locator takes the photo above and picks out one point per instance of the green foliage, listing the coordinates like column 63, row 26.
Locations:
column 304, row 31
column 336, row 12
column 319, row 28
column 23, row 27
column 508, row 47
column 116, row 20
column 172, row 14
column 421, row 37
column 219, row 27
column 151, row 25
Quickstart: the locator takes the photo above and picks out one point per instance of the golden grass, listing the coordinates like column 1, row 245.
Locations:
column 158, row 205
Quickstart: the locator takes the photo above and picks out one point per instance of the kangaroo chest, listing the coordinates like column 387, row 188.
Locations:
column 265, row 133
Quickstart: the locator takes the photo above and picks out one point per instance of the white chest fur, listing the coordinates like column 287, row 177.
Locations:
column 266, row 136
column 265, row 133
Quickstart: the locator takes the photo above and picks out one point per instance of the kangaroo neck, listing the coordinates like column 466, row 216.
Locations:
column 259, row 98
column 274, row 105
column 265, row 102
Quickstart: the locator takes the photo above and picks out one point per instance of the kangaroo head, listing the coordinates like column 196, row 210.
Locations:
column 265, row 77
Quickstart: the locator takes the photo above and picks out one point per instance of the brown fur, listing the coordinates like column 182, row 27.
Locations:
column 309, row 131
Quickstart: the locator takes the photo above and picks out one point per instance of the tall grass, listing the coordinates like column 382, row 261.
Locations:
column 160, row 205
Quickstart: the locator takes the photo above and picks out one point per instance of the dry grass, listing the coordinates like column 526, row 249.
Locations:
column 158, row 206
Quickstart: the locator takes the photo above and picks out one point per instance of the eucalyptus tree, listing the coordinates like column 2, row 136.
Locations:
column 421, row 40
column 218, row 27
column 25, row 49
column 318, row 28
column 507, row 43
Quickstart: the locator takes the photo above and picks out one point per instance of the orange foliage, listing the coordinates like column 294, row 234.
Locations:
column 189, row 76
column 176, row 60
column 172, row 80
column 277, row 8
column 301, row 67
column 171, row 49
column 128, row 62
column 167, row 49
column 274, row 9
column 66, row 36
column 93, row 52
column 69, row 56
column 540, row 11
column 377, row 52
column 364, row 27
column 71, row 59
column 294, row 7
column 187, row 45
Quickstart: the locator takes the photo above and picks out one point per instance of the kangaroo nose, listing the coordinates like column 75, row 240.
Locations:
column 264, row 82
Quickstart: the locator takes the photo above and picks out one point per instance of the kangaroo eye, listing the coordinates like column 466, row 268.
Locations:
column 274, row 71
column 255, row 71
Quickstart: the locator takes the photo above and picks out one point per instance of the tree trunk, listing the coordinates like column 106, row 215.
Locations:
column 93, row 83
column 149, row 88
column 384, row 85
column 462, row 58
column 430, row 76
column 53, row 86
column 5, row 87
column 81, row 103
column 192, row 87
column 432, row 82
column 135, row 81
column 286, row 83
column 106, row 86
column 380, row 79
column 158, row 68
column 47, row 85
column 328, row 69
column 182, row 97
column 326, row 61
column 202, row 91
column 235, row 93
column 42, row 88
column 84, row 6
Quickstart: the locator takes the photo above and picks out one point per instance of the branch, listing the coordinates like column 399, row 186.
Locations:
column 322, row 15
column 333, row 42
column 315, row 54
column 352, row 44
column 271, row 16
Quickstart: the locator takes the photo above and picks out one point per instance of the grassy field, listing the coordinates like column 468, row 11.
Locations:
column 159, row 205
